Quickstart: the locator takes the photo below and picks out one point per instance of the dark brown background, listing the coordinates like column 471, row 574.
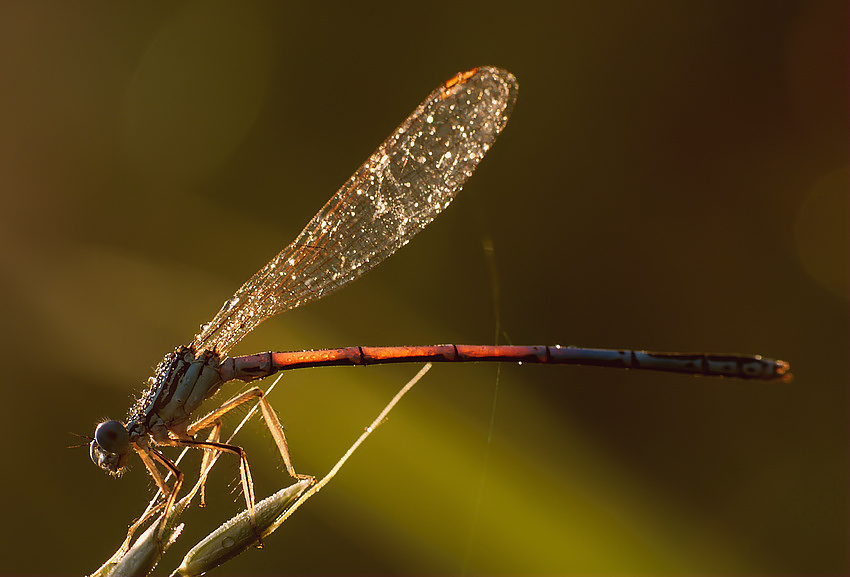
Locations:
column 673, row 177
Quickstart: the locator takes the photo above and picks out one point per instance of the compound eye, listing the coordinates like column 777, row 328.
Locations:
column 112, row 437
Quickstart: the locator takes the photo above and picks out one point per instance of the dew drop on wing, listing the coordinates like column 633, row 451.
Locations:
column 398, row 191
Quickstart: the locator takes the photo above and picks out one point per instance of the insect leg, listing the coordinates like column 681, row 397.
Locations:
column 244, row 470
column 272, row 422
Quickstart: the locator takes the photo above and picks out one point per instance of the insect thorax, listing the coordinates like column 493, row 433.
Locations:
column 181, row 382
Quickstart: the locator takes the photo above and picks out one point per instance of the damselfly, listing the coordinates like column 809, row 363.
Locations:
column 410, row 179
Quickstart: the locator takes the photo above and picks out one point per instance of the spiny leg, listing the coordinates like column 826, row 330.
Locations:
column 214, row 437
column 272, row 422
column 125, row 546
column 244, row 472
column 148, row 456
column 213, row 420
column 154, row 472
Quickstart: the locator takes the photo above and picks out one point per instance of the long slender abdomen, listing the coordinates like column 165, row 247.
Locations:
column 252, row 367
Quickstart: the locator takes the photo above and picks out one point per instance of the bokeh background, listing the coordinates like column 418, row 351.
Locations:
column 674, row 177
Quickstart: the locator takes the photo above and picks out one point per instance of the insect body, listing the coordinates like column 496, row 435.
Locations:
column 398, row 191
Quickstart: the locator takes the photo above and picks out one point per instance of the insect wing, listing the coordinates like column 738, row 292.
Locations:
column 399, row 190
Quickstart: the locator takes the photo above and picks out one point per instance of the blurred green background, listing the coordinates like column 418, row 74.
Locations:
column 673, row 177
